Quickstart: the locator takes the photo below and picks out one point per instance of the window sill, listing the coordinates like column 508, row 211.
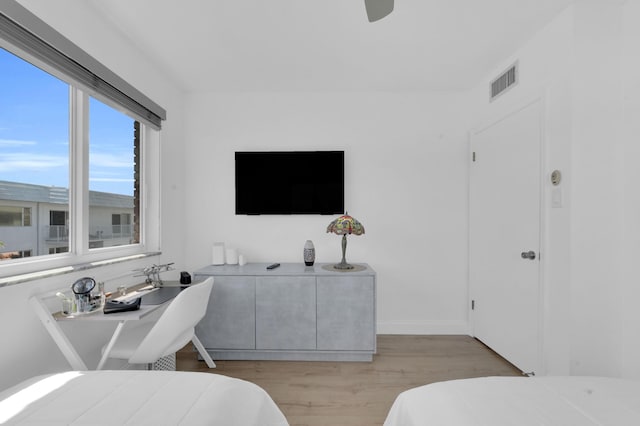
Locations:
column 52, row 272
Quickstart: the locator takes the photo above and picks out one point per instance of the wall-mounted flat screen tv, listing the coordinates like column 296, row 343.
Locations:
column 290, row 182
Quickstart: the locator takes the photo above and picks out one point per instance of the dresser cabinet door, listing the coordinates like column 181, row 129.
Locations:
column 346, row 313
column 230, row 320
column 286, row 313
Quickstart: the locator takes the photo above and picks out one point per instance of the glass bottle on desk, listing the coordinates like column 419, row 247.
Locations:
column 101, row 295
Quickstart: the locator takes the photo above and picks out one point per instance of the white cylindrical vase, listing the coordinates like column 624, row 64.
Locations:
column 232, row 256
column 218, row 254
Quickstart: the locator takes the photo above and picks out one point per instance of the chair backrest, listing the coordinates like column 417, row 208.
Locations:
column 176, row 327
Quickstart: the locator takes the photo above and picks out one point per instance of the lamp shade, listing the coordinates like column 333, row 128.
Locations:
column 344, row 225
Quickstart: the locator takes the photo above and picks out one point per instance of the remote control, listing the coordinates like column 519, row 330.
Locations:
column 274, row 266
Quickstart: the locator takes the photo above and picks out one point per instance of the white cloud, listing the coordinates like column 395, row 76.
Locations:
column 110, row 160
column 25, row 162
column 14, row 142
column 110, row 180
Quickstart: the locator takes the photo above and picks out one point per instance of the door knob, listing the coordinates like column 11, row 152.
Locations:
column 528, row 254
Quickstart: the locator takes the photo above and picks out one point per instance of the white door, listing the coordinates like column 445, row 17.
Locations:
column 504, row 231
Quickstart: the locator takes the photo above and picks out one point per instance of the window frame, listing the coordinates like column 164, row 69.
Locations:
column 80, row 255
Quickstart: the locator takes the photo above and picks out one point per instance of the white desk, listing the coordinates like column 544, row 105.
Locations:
column 51, row 323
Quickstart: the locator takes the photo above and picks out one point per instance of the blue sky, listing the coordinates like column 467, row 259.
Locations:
column 34, row 132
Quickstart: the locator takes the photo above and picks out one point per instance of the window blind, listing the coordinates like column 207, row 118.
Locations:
column 22, row 29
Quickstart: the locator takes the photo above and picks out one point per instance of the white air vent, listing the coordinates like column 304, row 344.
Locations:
column 504, row 81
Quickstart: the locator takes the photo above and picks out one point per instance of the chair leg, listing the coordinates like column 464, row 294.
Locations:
column 203, row 352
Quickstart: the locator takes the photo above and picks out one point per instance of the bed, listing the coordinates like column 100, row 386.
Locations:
column 138, row 398
column 541, row 401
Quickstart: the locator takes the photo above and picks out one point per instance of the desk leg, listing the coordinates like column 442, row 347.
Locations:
column 107, row 350
column 58, row 336
column 203, row 352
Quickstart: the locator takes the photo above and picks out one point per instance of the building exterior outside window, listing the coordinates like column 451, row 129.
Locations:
column 25, row 234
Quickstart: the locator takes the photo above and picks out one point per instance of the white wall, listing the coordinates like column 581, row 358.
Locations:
column 596, row 222
column 406, row 181
column 585, row 66
column 27, row 348
column 630, row 291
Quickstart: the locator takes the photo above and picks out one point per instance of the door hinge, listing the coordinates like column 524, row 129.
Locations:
column 473, row 156
column 473, row 305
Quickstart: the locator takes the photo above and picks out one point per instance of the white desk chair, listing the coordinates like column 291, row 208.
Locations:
column 148, row 342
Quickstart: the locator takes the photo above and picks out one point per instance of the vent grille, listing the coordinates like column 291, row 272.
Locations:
column 504, row 81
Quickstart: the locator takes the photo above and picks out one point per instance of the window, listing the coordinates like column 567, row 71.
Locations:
column 78, row 144
column 113, row 156
column 54, row 250
column 58, row 229
column 34, row 140
column 59, row 218
column 15, row 254
column 121, row 224
column 34, row 133
column 15, row 216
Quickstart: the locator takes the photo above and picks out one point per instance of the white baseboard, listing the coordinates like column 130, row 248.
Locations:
column 423, row 327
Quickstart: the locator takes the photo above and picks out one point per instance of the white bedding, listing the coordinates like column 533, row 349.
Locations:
column 541, row 401
column 138, row 398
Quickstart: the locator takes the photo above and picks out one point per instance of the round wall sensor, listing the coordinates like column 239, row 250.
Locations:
column 556, row 177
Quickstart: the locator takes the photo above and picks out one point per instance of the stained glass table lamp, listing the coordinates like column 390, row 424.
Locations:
column 344, row 225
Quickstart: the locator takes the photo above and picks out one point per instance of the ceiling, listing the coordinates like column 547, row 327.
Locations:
column 327, row 45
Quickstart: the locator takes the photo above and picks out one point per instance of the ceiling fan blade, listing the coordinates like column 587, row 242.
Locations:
column 378, row 9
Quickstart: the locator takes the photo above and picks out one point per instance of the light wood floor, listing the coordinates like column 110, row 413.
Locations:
column 360, row 393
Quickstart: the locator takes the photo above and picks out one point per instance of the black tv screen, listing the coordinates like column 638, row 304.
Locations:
column 290, row 182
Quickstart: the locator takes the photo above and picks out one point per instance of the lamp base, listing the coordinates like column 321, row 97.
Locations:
column 342, row 266
column 331, row 268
